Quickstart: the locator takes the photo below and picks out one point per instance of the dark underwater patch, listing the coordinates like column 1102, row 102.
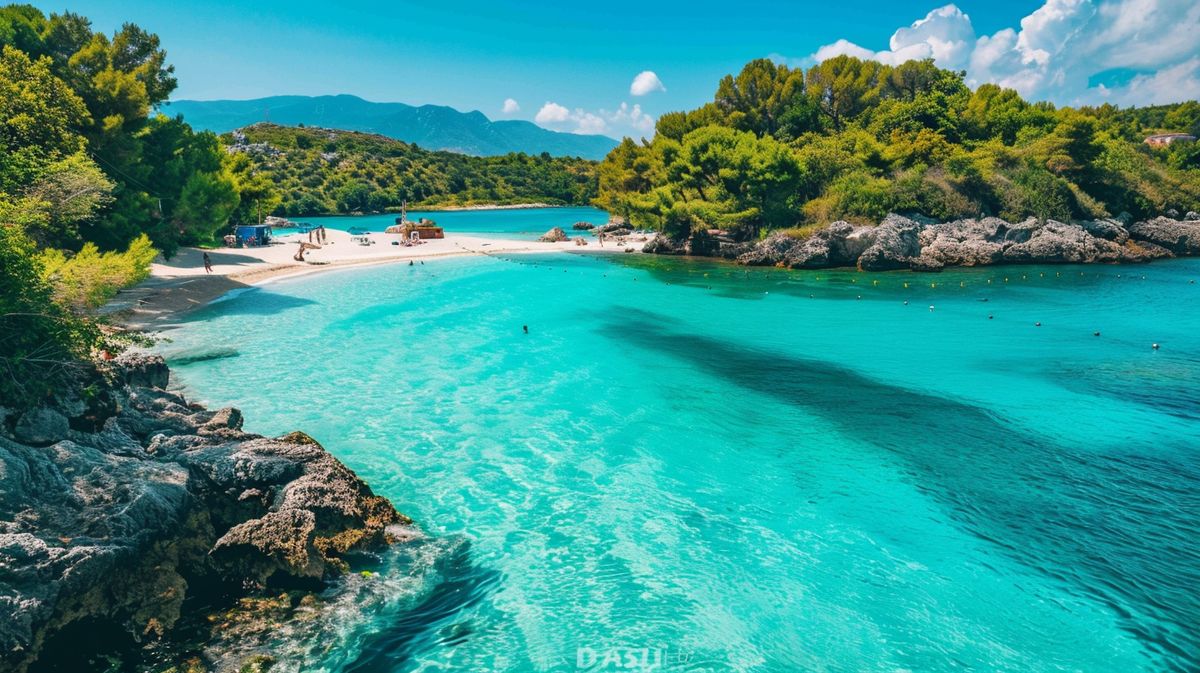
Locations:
column 1117, row 526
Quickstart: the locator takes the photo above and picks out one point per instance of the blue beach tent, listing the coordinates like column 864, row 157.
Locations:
column 253, row 234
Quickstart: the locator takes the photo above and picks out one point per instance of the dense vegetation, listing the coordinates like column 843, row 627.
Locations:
column 314, row 171
column 89, row 184
column 853, row 139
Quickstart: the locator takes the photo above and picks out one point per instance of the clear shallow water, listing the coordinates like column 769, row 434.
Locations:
column 705, row 461
column 518, row 223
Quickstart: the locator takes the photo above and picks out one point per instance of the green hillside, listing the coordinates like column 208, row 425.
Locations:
column 314, row 171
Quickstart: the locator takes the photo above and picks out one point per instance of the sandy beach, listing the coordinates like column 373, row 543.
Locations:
column 181, row 284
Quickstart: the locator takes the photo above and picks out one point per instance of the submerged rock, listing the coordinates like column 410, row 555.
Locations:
column 117, row 526
column 583, row 226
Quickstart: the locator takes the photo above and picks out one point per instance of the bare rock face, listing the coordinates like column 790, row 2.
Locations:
column 116, row 525
column 897, row 244
column 1181, row 238
column 1056, row 242
column 555, row 235
column 768, row 252
column 901, row 242
column 41, row 426
column 1108, row 229
column 663, row 245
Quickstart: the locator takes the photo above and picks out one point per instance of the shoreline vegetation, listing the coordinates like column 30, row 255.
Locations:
column 850, row 141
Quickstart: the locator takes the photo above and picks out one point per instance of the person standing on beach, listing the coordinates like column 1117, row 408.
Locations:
column 207, row 264
column 321, row 234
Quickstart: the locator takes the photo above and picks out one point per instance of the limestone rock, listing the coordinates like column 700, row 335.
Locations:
column 1108, row 229
column 1057, row 242
column 555, row 235
column 117, row 524
column 1181, row 238
column 41, row 426
column 897, row 243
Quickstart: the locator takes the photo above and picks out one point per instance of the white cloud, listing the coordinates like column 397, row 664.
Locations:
column 625, row 120
column 646, row 82
column 552, row 113
column 511, row 106
column 634, row 118
column 1059, row 48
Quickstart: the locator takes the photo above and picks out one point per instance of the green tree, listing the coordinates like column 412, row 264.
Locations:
column 844, row 87
column 758, row 98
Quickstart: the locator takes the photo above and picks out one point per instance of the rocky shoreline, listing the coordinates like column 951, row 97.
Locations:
column 118, row 507
column 900, row 242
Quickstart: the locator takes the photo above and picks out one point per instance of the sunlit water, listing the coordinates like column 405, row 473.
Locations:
column 747, row 469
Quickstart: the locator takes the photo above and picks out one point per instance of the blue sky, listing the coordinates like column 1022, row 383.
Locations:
column 581, row 58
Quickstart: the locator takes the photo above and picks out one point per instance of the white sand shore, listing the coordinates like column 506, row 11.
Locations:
column 181, row 284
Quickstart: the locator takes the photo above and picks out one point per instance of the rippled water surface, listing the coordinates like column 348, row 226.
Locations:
column 747, row 470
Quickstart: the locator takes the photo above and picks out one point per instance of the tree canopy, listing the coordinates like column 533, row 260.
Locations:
column 854, row 139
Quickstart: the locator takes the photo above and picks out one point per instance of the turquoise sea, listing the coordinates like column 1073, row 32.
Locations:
column 691, row 466
column 515, row 223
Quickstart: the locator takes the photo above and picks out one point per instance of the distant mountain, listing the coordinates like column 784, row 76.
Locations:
column 434, row 127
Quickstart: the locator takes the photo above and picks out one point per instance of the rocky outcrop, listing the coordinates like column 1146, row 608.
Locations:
column 1181, row 238
column 583, row 226
column 615, row 227
column 901, row 242
column 555, row 235
column 118, row 525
